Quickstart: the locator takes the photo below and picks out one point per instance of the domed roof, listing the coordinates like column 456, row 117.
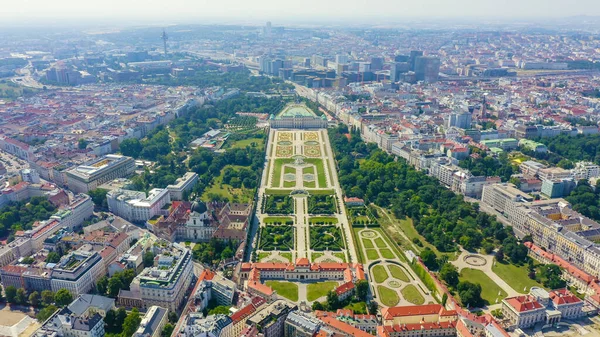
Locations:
column 199, row 207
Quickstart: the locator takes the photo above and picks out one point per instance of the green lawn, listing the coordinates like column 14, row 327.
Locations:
column 489, row 289
column 309, row 184
column 368, row 243
column 412, row 294
column 241, row 144
column 316, row 290
column 262, row 255
column 398, row 273
column 315, row 256
column 387, row 296
column 288, row 256
column 406, row 226
column 390, row 243
column 279, row 162
column 357, row 307
column 516, row 276
column 321, row 178
column 289, row 184
column 380, row 274
column 387, row 254
column 372, row 254
column 227, row 191
column 277, row 219
column 323, row 219
column 286, row 289
column 277, row 191
column 322, row 192
column 341, row 256
column 380, row 243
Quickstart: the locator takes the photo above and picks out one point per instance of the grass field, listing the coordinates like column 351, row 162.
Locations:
column 252, row 142
column 309, row 184
column 321, row 178
column 412, row 294
column 390, row 243
column 315, row 256
column 387, row 254
column 316, row 290
column 380, row 243
column 227, row 191
column 380, row 274
column 387, row 296
column 288, row 256
column 367, row 243
column 279, row 162
column 341, row 256
column 273, row 191
column 357, row 307
column 289, row 184
column 262, row 255
column 398, row 273
column 372, row 254
column 406, row 226
column 277, row 219
column 489, row 289
column 516, row 277
column 323, row 219
column 286, row 289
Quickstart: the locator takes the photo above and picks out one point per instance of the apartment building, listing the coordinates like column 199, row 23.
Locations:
column 298, row 324
column 76, row 212
column 152, row 323
column 552, row 223
column 77, row 272
column 65, row 323
column 164, row 284
column 89, row 176
column 270, row 320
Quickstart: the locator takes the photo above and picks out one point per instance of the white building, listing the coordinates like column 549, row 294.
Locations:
column 77, row 272
column 73, row 215
column 165, row 284
column 135, row 206
column 89, row 176
column 30, row 176
column 182, row 185
column 152, row 323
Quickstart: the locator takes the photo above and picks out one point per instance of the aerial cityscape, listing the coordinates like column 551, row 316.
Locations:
column 252, row 168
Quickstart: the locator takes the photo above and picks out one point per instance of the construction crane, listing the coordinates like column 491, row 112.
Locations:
column 164, row 37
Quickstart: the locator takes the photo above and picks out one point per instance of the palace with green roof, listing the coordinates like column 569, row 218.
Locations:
column 297, row 116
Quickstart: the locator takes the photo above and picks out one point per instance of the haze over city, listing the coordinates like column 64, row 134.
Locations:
column 364, row 12
column 306, row 168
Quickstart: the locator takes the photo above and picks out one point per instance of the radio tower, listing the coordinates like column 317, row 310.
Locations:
column 165, row 37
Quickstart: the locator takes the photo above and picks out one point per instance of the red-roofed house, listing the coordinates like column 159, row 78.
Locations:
column 437, row 329
column 569, row 305
column 345, row 290
column 344, row 329
column 523, row 311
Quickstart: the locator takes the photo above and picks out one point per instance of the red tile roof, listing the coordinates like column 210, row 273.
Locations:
column 347, row 328
column 563, row 296
column 416, row 310
column 524, row 303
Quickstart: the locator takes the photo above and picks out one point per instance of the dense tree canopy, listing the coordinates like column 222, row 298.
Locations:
column 21, row 215
column 440, row 215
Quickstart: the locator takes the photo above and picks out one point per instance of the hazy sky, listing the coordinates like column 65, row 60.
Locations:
column 283, row 10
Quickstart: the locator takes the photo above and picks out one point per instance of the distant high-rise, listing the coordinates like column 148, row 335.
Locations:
column 164, row 37
column 268, row 28
column 377, row 63
column 412, row 58
column 397, row 69
column 401, row 58
column 341, row 59
column 427, row 68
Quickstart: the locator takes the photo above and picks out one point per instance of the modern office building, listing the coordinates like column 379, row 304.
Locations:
column 136, row 206
column 89, row 176
column 427, row 69
column 413, row 58
column 459, row 120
